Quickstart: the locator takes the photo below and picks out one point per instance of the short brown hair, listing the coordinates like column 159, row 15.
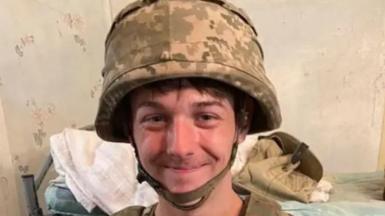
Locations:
column 122, row 119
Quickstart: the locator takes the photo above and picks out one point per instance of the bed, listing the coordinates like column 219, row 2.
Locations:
column 353, row 194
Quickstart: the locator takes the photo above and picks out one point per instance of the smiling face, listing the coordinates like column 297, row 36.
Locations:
column 184, row 136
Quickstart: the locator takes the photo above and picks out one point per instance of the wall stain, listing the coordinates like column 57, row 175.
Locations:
column 96, row 88
column 5, row 187
column 16, row 158
column 19, row 51
column 1, row 82
column 39, row 136
column 75, row 25
column 25, row 41
column 82, row 43
column 40, row 116
column 74, row 21
column 23, row 169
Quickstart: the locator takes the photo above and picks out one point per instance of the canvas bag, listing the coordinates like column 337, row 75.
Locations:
column 269, row 170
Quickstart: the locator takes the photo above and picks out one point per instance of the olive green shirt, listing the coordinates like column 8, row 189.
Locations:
column 253, row 205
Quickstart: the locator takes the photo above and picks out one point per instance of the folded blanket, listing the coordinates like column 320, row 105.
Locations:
column 99, row 173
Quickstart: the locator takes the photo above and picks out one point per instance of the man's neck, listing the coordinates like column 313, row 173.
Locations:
column 222, row 201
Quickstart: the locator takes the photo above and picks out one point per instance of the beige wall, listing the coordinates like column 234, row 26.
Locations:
column 8, row 197
column 381, row 154
column 326, row 59
column 51, row 57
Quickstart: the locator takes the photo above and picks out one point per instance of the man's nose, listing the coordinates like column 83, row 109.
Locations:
column 181, row 137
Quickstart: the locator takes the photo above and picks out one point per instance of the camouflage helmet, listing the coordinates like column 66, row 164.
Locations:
column 156, row 40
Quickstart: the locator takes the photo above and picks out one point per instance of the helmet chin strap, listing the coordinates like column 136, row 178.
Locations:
column 182, row 200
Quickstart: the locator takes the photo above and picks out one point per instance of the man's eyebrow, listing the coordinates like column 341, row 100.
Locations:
column 153, row 104
column 150, row 104
column 208, row 103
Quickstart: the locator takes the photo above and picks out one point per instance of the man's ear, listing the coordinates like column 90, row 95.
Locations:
column 246, row 116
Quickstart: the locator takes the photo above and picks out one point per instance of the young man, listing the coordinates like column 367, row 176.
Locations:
column 184, row 83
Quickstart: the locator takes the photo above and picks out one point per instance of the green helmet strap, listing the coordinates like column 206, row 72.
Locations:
column 179, row 200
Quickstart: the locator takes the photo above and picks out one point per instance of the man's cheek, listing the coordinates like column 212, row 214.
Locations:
column 150, row 146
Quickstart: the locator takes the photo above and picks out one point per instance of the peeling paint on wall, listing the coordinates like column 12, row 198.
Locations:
column 25, row 41
column 38, row 136
column 75, row 25
column 96, row 88
column 22, row 168
column 40, row 116
column 74, row 21
column 79, row 40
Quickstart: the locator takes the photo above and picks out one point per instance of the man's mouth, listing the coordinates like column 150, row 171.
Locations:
column 185, row 169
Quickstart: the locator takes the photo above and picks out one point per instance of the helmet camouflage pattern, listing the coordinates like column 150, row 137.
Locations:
column 155, row 40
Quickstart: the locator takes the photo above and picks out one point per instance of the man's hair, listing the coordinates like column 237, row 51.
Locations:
column 211, row 87
column 123, row 114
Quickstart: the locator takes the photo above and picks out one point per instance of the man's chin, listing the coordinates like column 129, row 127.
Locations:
column 184, row 186
column 180, row 181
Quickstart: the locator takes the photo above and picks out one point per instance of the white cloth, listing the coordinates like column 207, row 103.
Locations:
column 243, row 151
column 99, row 173
column 322, row 191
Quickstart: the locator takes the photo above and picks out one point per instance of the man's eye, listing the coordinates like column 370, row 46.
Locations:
column 154, row 119
column 207, row 120
column 206, row 117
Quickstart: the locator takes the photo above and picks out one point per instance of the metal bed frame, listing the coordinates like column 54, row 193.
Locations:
column 32, row 183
